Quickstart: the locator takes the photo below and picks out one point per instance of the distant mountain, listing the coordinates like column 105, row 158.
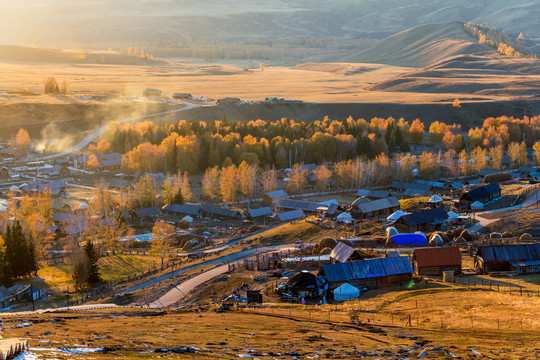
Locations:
column 77, row 24
column 420, row 46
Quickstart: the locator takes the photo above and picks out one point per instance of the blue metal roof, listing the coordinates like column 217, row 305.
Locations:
column 525, row 263
column 366, row 269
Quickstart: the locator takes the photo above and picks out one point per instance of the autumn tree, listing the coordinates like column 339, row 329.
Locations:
column 103, row 147
column 496, row 154
column 479, row 157
column 144, row 192
column 167, row 192
column 247, row 175
column 51, row 86
column 417, row 131
column 228, row 184
column 93, row 162
column 405, row 165
column 448, row 140
column 428, row 165
column 210, row 183
column 297, row 179
column 536, row 148
column 517, row 153
column 162, row 235
column 185, row 186
column 22, row 142
column 268, row 180
column 456, row 103
column 322, row 175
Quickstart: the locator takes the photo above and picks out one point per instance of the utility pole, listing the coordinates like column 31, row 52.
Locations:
column 67, row 297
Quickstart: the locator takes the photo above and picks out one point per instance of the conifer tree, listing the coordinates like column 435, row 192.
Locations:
column 93, row 271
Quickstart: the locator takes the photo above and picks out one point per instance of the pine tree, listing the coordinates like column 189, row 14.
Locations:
column 93, row 272
column 5, row 267
column 178, row 198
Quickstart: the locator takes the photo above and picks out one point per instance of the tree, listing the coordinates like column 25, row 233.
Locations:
column 449, row 139
column 520, row 36
column 536, row 148
column 144, row 191
column 93, row 162
column 496, row 154
column 456, row 103
column 517, row 153
column 80, row 267
column 51, row 86
column 167, row 192
column 178, row 198
column 417, row 131
column 210, row 183
column 184, row 186
column 268, row 180
column 322, row 175
column 20, row 251
column 247, row 175
column 94, row 276
column 162, row 238
column 5, row 266
column 229, row 185
column 103, row 147
column 22, row 141
column 297, row 179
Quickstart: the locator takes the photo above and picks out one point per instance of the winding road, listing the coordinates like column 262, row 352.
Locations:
column 101, row 130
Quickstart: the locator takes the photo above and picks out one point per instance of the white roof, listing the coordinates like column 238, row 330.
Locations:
column 3, row 208
column 188, row 218
column 346, row 292
column 477, row 205
column 395, row 216
column 435, row 199
column 344, row 217
column 84, row 206
column 452, row 215
column 14, row 188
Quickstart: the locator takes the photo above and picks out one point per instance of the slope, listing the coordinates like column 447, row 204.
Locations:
column 420, row 46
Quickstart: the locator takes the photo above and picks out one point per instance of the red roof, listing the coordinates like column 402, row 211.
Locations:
column 444, row 256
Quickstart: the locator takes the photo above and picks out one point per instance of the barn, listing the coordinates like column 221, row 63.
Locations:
column 433, row 261
column 370, row 273
column 523, row 258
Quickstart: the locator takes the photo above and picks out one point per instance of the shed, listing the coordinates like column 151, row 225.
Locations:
column 182, row 96
column 346, row 292
column 477, row 205
column 373, row 194
column 434, row 261
column 152, row 92
column 182, row 210
column 303, row 205
column 482, row 194
column 254, row 296
column 343, row 253
column 508, row 257
column 435, row 199
column 304, row 284
column 147, row 214
column 215, row 211
column 271, row 198
column 395, row 216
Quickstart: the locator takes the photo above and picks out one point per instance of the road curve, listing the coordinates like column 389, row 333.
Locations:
column 101, row 130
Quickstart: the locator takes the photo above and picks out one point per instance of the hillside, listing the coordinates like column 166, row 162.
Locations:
column 421, row 46
column 82, row 23
column 10, row 53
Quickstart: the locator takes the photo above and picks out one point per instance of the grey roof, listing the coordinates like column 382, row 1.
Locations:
column 309, row 167
column 68, row 218
column 366, row 269
column 482, row 192
column 332, row 209
column 376, row 205
column 435, row 184
column 457, row 185
column 526, row 169
column 149, row 211
column 214, row 210
column 484, row 172
column 290, row 215
column 118, row 183
column 403, row 186
column 424, row 217
column 276, row 194
column 475, row 181
column 182, row 209
column 298, row 205
column 417, row 192
column 342, row 252
column 373, row 193
column 264, row 211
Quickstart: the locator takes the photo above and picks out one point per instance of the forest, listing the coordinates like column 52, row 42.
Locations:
column 194, row 146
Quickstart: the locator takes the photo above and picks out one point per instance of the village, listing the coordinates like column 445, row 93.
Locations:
column 370, row 238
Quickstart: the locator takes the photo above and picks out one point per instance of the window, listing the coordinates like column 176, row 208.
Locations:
column 519, row 270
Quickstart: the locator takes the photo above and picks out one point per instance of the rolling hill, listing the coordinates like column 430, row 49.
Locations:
column 421, row 46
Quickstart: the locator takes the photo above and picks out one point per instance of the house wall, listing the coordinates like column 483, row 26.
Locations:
column 437, row 270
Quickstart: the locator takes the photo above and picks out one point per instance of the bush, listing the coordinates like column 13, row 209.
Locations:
column 507, row 234
column 495, row 235
column 51, row 86
column 467, row 235
column 183, row 224
column 526, row 236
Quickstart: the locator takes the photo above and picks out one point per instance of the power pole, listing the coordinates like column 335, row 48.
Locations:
column 67, row 297
column 32, row 296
